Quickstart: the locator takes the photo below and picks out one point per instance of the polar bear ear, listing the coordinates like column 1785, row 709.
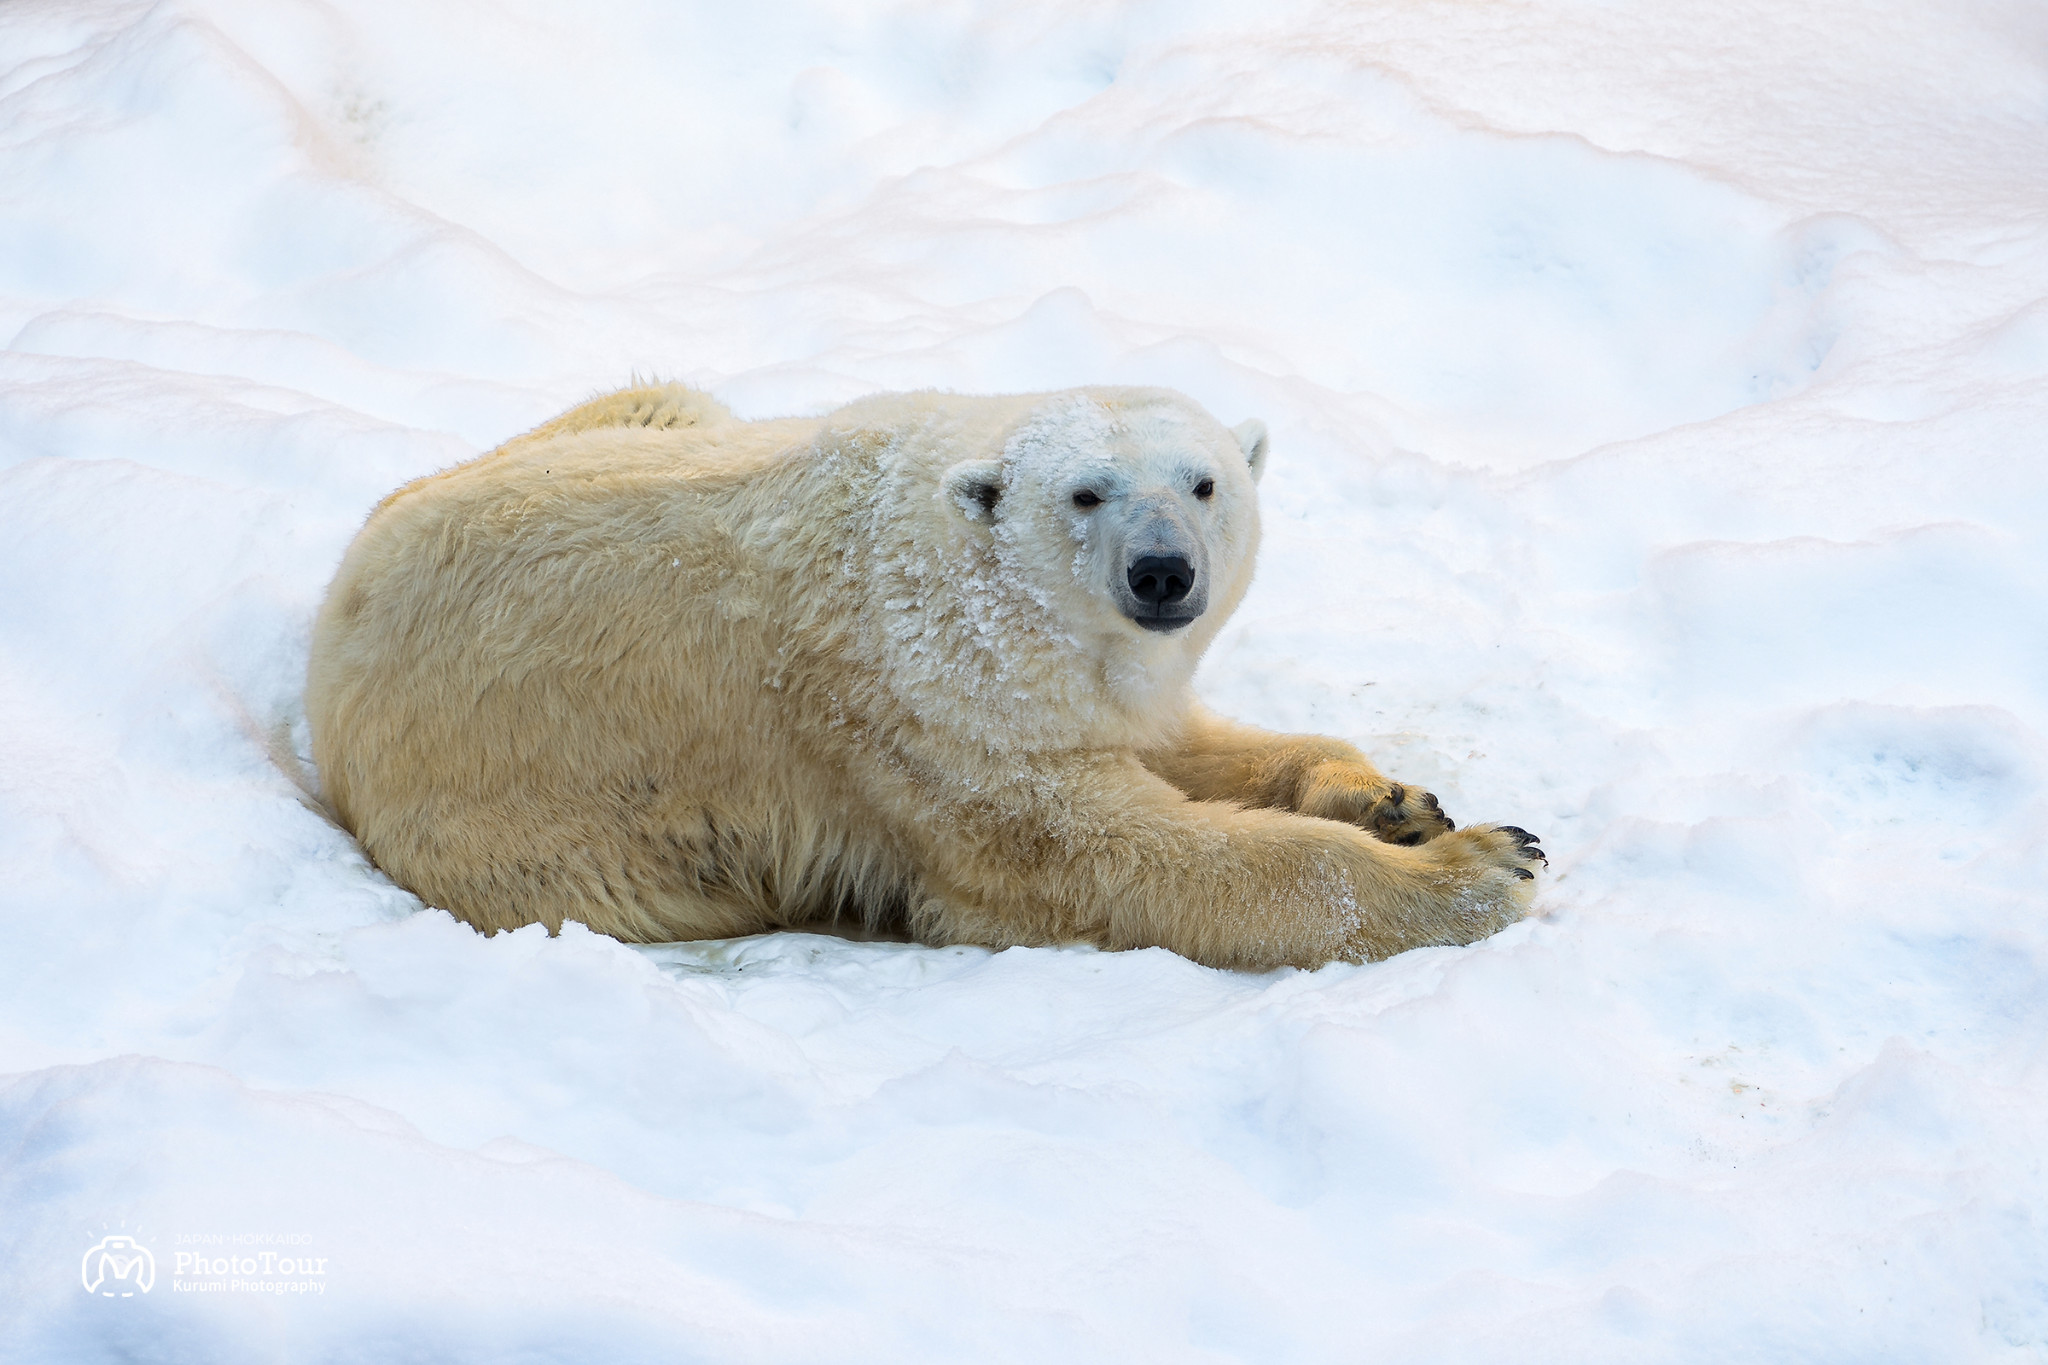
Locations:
column 1251, row 439
column 975, row 487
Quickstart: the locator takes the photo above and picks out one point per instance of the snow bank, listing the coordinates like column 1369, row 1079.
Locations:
column 1658, row 396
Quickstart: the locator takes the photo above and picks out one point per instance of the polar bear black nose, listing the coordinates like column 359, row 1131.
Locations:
column 1161, row 580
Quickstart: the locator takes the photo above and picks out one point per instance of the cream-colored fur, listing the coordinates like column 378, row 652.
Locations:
column 678, row 676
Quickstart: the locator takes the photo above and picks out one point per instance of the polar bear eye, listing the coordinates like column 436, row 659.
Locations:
column 1085, row 498
column 1206, row 488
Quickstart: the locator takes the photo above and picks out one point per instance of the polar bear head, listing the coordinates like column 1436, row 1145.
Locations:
column 1130, row 518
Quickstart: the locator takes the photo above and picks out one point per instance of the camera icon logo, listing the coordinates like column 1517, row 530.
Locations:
column 118, row 1267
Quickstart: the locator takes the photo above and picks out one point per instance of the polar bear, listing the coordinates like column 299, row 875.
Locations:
column 922, row 664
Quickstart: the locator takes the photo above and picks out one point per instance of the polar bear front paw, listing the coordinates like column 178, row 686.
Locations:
column 1392, row 812
column 1407, row 815
column 1492, row 878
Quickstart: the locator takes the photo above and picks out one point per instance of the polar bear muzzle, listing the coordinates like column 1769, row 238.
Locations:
column 1164, row 584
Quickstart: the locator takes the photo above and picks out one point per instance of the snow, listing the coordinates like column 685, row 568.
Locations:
column 1659, row 396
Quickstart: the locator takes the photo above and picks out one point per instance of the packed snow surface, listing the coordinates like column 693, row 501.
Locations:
column 1660, row 406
